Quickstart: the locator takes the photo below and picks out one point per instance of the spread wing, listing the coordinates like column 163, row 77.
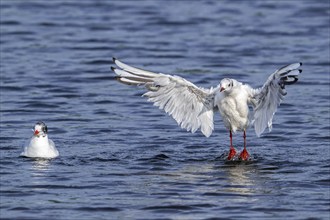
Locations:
column 266, row 99
column 189, row 105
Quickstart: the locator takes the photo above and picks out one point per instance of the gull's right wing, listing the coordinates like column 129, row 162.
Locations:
column 191, row 106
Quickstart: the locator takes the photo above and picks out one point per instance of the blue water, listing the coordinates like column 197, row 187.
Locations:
column 122, row 158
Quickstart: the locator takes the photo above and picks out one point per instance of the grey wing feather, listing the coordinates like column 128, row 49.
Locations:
column 189, row 105
column 266, row 99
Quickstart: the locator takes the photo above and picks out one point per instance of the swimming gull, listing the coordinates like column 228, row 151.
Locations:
column 40, row 145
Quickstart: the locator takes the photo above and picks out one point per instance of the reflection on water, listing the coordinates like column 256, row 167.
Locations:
column 250, row 178
column 40, row 166
column 241, row 178
column 39, row 172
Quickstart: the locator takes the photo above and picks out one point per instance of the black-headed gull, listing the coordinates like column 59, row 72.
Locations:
column 193, row 107
column 40, row 145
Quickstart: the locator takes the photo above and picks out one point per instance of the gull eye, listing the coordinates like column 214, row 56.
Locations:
column 229, row 85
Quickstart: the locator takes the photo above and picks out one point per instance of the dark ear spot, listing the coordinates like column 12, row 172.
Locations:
column 231, row 83
column 45, row 129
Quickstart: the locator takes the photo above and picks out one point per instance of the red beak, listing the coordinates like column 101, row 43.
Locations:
column 36, row 132
column 222, row 89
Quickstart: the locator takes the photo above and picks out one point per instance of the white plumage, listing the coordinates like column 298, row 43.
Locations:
column 40, row 145
column 193, row 107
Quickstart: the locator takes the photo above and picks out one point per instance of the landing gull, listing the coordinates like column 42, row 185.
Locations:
column 193, row 107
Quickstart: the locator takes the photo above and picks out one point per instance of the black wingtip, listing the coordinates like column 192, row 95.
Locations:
column 287, row 82
column 300, row 63
column 113, row 68
column 114, row 59
column 300, row 70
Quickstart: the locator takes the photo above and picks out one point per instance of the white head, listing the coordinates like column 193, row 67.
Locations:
column 40, row 129
column 226, row 85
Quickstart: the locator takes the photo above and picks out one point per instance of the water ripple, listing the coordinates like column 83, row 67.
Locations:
column 121, row 158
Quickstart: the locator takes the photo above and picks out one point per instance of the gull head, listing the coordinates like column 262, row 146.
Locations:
column 40, row 129
column 226, row 85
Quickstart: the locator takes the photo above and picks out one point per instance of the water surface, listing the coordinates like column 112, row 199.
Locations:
column 122, row 158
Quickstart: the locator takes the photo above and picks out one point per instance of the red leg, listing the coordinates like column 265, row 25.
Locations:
column 244, row 154
column 232, row 151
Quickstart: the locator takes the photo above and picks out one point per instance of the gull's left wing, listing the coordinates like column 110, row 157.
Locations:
column 266, row 99
column 192, row 107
